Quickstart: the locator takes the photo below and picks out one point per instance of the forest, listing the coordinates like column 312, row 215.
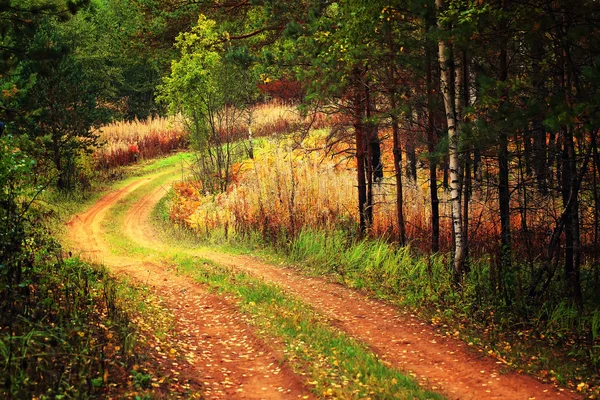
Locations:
column 428, row 169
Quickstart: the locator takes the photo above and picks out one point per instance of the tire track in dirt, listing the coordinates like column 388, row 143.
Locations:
column 230, row 361
column 438, row 362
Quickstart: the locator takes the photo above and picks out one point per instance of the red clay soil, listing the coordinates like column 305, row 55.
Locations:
column 443, row 364
column 224, row 354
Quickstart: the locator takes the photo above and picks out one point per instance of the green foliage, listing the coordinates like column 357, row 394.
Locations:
column 140, row 379
column 59, row 319
column 190, row 88
column 52, row 94
column 16, row 194
column 69, row 67
column 211, row 86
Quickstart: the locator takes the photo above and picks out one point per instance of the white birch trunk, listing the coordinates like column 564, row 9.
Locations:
column 453, row 140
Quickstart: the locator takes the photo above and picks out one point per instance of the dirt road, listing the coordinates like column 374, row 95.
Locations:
column 438, row 362
column 229, row 360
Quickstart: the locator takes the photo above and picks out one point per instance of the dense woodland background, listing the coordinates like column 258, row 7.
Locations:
column 466, row 133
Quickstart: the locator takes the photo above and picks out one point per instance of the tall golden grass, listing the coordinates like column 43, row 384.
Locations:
column 126, row 142
column 290, row 186
column 287, row 188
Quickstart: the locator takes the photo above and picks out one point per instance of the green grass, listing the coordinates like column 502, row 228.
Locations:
column 179, row 159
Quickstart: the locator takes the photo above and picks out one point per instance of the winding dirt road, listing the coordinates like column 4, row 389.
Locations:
column 229, row 360
column 256, row 371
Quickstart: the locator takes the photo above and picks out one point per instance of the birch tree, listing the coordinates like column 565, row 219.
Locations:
column 453, row 147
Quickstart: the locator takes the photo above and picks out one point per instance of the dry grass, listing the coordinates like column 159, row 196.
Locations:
column 287, row 188
column 125, row 142
column 290, row 186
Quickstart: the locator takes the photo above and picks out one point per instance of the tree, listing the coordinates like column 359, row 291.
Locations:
column 58, row 93
column 454, row 145
column 213, row 93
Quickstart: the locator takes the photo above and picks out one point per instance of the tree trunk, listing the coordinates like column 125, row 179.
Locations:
column 375, row 150
column 431, row 147
column 250, row 138
column 398, row 173
column 397, row 146
column 466, row 199
column 570, row 193
column 360, row 152
column 373, row 161
column 453, row 146
column 503, row 182
column 570, row 190
column 411, row 154
column 373, row 138
column 477, row 175
column 461, row 83
column 596, row 171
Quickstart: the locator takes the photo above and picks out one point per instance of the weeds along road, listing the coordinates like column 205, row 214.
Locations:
column 257, row 369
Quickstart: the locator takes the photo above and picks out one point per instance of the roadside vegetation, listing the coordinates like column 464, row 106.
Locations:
column 67, row 328
column 294, row 200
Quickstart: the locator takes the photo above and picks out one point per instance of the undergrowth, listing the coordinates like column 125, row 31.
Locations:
column 66, row 335
column 552, row 339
